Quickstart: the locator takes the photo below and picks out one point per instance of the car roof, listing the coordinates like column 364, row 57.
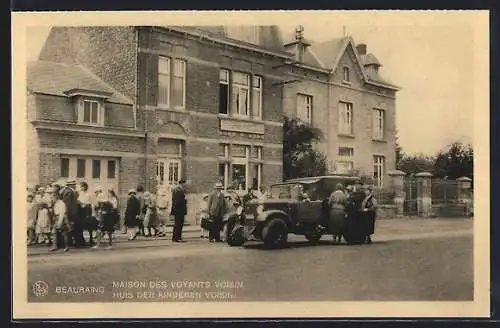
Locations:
column 310, row 180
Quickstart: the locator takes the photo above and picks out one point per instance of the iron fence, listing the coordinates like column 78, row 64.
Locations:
column 444, row 191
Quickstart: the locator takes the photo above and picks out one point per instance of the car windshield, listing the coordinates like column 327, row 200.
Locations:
column 282, row 191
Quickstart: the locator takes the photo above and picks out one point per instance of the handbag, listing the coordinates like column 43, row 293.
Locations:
column 206, row 223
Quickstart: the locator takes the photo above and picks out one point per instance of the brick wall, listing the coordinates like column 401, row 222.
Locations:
column 32, row 147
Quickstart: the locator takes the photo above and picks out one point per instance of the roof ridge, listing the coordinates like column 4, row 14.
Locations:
column 83, row 67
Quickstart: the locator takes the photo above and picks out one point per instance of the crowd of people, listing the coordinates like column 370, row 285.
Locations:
column 349, row 203
column 58, row 214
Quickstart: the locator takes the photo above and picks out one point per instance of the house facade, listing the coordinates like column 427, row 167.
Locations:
column 342, row 93
column 203, row 104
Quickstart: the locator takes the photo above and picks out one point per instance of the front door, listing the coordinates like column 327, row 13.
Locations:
column 168, row 171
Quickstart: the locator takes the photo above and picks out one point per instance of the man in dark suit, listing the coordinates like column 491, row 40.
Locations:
column 179, row 210
column 70, row 198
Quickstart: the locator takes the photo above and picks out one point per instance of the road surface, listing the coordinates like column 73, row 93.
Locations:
column 411, row 261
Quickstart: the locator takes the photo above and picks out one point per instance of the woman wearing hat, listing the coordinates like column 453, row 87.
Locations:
column 108, row 207
column 149, row 211
column 369, row 206
column 132, row 214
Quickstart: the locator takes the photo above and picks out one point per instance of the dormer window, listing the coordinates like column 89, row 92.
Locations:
column 90, row 112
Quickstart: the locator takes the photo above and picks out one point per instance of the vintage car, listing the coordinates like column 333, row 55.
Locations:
column 298, row 206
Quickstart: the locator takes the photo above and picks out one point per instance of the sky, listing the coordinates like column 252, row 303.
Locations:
column 433, row 65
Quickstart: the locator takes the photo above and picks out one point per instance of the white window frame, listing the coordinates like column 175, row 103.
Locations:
column 240, row 86
column 379, row 170
column 346, row 118
column 166, row 162
column 378, row 126
column 305, row 107
column 345, row 159
column 183, row 76
column 227, row 82
column 256, row 78
column 100, row 113
column 168, row 74
column 72, row 169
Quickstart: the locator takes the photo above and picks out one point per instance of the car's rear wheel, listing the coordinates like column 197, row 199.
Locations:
column 275, row 233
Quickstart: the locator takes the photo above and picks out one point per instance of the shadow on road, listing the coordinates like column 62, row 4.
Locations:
column 302, row 244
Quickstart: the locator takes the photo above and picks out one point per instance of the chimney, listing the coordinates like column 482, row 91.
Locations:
column 361, row 49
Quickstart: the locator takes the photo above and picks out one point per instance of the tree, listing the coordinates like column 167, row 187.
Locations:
column 398, row 149
column 300, row 159
column 456, row 162
column 412, row 164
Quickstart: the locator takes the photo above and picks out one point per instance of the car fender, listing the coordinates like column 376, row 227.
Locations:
column 266, row 215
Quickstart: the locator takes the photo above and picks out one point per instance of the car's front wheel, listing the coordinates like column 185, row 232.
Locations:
column 275, row 233
column 313, row 236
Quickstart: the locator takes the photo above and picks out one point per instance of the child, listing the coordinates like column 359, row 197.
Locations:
column 203, row 214
column 43, row 223
column 32, row 213
column 61, row 223
column 107, row 210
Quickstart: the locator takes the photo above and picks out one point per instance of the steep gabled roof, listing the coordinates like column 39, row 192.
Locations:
column 57, row 78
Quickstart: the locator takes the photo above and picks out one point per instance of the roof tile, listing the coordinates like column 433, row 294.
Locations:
column 56, row 78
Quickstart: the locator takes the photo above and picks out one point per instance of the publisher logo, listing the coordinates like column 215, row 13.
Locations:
column 40, row 288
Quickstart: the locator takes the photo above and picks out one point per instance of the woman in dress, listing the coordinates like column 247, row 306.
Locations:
column 61, row 224
column 203, row 214
column 43, row 224
column 132, row 214
column 107, row 216
column 150, row 213
column 337, row 202
column 32, row 213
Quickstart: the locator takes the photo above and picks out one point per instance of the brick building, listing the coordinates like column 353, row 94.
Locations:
column 342, row 93
column 202, row 103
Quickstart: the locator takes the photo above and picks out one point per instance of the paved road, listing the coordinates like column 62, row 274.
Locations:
column 428, row 261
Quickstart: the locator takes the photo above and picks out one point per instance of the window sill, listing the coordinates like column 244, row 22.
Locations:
column 346, row 82
column 347, row 135
column 379, row 140
column 241, row 118
column 98, row 125
column 171, row 109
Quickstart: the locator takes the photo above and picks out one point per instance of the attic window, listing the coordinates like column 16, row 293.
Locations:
column 346, row 75
column 90, row 112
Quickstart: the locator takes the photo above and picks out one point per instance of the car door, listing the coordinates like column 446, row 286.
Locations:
column 309, row 211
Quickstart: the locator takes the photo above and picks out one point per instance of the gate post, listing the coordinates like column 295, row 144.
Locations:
column 424, row 194
column 464, row 196
column 397, row 184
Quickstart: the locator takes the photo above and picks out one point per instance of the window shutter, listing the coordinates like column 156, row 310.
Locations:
column 79, row 110
column 374, row 124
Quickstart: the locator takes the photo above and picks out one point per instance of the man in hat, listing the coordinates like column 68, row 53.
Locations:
column 70, row 198
column 216, row 209
column 179, row 210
